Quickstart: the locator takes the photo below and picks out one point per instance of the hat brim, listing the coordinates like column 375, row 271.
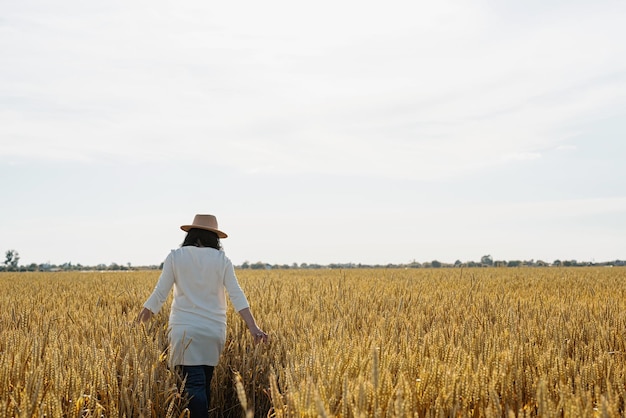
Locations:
column 219, row 233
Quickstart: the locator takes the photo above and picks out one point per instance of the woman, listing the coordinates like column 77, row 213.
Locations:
column 200, row 273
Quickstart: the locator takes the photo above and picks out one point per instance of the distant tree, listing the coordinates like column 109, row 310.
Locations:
column 11, row 260
column 245, row 265
column 458, row 263
column 514, row 263
column 435, row 264
column 557, row 263
column 259, row 265
column 486, row 260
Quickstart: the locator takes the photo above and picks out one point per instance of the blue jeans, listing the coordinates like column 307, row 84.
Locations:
column 198, row 388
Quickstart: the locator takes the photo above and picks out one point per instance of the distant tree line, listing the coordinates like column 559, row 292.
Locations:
column 12, row 257
column 485, row 261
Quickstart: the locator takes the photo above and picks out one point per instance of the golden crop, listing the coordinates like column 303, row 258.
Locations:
column 425, row 342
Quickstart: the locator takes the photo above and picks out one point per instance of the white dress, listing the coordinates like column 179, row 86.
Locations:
column 197, row 323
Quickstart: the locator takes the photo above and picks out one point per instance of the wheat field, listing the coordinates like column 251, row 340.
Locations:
column 516, row 342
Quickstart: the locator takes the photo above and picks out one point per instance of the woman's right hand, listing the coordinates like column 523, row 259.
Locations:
column 259, row 335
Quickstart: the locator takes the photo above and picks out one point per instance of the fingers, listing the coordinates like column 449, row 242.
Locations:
column 260, row 337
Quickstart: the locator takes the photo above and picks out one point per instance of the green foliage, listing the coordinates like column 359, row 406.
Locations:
column 11, row 260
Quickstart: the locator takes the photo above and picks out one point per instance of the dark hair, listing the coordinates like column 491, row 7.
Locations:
column 197, row 237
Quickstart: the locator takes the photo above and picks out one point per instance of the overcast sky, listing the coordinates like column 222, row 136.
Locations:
column 317, row 132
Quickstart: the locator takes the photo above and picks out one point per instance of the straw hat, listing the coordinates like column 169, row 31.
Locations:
column 208, row 222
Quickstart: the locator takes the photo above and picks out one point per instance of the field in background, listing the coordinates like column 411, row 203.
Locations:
column 425, row 342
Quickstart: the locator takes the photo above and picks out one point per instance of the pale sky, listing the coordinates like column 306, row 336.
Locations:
column 317, row 132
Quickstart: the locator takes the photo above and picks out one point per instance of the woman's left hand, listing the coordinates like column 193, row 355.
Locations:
column 144, row 316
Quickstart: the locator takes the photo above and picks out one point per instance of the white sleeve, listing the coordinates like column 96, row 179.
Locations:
column 236, row 295
column 162, row 289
